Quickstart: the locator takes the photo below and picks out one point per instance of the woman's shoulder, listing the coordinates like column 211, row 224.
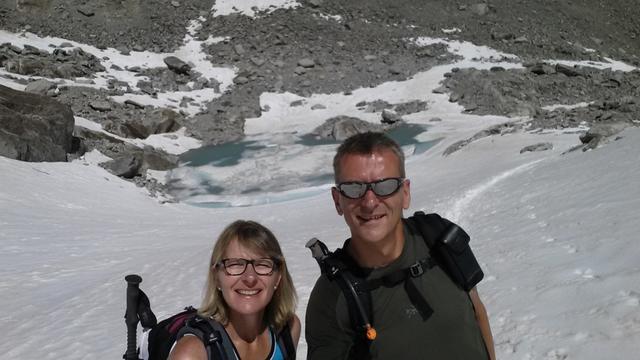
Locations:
column 295, row 327
column 188, row 348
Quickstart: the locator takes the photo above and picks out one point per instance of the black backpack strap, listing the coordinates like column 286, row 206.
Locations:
column 338, row 267
column 285, row 342
column 213, row 336
column 449, row 243
column 407, row 276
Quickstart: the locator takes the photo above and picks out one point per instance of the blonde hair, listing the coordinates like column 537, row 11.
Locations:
column 258, row 238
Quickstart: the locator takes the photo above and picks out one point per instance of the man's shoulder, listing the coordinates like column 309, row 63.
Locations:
column 322, row 303
column 324, row 287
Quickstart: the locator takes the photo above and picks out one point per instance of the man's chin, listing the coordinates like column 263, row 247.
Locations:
column 370, row 235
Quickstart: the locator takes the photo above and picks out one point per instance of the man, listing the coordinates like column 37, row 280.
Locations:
column 371, row 192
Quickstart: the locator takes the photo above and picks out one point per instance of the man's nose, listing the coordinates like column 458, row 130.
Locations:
column 370, row 199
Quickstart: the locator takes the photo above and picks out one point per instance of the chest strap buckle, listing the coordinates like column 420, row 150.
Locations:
column 416, row 269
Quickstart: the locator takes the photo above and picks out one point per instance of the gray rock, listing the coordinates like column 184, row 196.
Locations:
column 600, row 132
column 239, row 49
column 479, row 9
column 25, row 66
column 157, row 121
column 500, row 129
column 306, row 63
column 176, row 65
column 126, row 166
column 541, row 69
column 146, row 87
column 455, row 147
column 390, row 117
column 410, row 107
column 341, row 127
column 30, row 50
column 567, row 70
column 34, row 127
column 537, row 147
column 318, row 107
column 521, row 40
column 99, row 105
column 257, row 61
column 240, row 80
column 440, row 90
column 40, row 87
column 134, row 104
column 86, row 11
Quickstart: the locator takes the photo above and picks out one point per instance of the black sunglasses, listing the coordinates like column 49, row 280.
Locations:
column 357, row 189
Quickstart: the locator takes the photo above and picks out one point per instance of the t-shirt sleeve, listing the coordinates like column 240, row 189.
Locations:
column 326, row 338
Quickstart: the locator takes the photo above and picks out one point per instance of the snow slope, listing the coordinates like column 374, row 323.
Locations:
column 555, row 234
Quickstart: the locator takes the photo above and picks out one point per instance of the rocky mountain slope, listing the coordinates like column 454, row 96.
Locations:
column 328, row 46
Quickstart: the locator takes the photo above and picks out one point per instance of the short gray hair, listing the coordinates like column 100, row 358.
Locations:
column 364, row 144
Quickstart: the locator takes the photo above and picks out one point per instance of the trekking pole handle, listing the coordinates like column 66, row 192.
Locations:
column 131, row 315
column 319, row 250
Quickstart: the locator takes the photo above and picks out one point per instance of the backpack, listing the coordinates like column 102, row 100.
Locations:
column 158, row 338
column 449, row 249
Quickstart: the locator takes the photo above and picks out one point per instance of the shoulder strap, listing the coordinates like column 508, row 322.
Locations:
column 356, row 293
column 285, row 342
column 430, row 226
column 213, row 336
column 449, row 243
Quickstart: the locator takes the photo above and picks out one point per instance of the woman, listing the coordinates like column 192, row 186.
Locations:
column 250, row 292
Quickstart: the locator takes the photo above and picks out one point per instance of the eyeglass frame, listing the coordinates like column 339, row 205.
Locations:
column 370, row 186
column 221, row 264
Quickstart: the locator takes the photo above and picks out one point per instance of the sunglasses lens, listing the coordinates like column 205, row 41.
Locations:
column 386, row 187
column 353, row 190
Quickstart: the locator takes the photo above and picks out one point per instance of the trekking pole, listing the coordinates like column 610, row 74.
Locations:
column 131, row 315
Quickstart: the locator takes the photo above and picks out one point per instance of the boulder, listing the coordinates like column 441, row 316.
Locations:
column 40, row 87
column 135, row 162
column 537, row 147
column 601, row 131
column 176, row 65
column 390, row 117
column 34, row 127
column 126, row 166
column 341, row 127
column 157, row 121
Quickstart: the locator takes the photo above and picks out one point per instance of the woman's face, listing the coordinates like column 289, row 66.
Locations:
column 248, row 293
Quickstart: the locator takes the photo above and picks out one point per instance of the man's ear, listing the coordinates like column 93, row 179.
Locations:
column 335, row 194
column 406, row 194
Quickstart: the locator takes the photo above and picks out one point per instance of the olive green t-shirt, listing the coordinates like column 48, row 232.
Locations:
column 451, row 332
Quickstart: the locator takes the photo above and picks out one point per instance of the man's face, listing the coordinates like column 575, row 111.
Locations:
column 372, row 219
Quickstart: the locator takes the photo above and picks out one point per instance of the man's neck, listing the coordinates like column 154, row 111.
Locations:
column 380, row 254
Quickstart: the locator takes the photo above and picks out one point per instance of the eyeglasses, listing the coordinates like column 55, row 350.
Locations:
column 236, row 267
column 357, row 189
